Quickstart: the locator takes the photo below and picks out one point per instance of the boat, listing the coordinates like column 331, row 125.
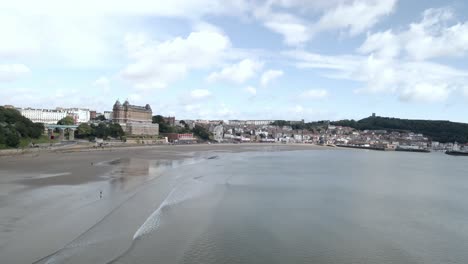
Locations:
column 456, row 153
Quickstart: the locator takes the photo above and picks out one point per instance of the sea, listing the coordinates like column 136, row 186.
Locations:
column 312, row 206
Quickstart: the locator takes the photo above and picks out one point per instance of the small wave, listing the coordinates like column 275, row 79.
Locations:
column 188, row 190
column 50, row 175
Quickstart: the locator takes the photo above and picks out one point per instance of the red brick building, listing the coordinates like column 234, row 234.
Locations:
column 175, row 137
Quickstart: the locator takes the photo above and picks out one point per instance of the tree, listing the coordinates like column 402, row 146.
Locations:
column 12, row 139
column 158, row 119
column 83, row 131
column 37, row 130
column 22, row 129
column 116, row 131
column 101, row 118
column 442, row 131
column 164, row 127
column 2, row 135
column 14, row 126
column 66, row 121
column 101, row 131
column 201, row 132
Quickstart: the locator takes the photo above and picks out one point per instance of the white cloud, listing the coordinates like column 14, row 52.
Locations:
column 429, row 38
column 136, row 98
column 251, row 90
column 224, row 112
column 200, row 93
column 219, row 111
column 54, row 40
column 18, row 37
column 11, row 72
column 397, row 62
column 156, row 64
column 383, row 44
column 298, row 112
column 239, row 72
column 314, row 94
column 37, row 98
column 174, row 8
column 192, row 108
column 355, row 16
column 307, row 4
column 294, row 29
column 315, row 60
column 297, row 109
column 465, row 91
column 269, row 76
column 409, row 80
column 426, row 92
column 102, row 83
column 58, row 34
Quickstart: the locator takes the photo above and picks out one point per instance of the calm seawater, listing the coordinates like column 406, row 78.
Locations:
column 324, row 206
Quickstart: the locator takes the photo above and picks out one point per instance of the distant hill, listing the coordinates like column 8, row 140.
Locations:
column 442, row 131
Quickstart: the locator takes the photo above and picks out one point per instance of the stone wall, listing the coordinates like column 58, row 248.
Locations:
column 142, row 129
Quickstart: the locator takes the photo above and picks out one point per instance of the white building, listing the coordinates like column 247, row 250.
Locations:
column 46, row 116
column 298, row 137
column 218, row 133
column 82, row 115
column 108, row 115
column 250, row 122
column 52, row 116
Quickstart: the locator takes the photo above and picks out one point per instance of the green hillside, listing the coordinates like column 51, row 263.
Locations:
column 442, row 131
column 15, row 128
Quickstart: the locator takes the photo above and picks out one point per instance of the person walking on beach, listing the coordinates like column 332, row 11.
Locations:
column 100, row 194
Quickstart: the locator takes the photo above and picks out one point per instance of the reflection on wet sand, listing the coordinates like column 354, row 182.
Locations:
column 130, row 173
column 146, row 185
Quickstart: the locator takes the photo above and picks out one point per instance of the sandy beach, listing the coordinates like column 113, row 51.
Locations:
column 49, row 199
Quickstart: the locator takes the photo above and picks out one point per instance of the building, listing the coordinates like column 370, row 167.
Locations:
column 250, row 122
column 46, row 116
column 108, row 115
column 135, row 120
column 92, row 114
column 170, row 120
column 81, row 115
column 218, row 133
column 52, row 116
column 180, row 138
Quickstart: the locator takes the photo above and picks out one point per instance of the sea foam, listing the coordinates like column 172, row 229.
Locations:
column 187, row 190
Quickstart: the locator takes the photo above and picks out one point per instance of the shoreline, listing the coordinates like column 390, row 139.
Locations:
column 87, row 148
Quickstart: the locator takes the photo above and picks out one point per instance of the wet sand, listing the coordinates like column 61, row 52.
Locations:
column 49, row 199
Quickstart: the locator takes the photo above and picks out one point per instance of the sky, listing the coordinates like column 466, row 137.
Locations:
column 239, row 59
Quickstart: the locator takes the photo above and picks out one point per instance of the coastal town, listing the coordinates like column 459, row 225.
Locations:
column 140, row 126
